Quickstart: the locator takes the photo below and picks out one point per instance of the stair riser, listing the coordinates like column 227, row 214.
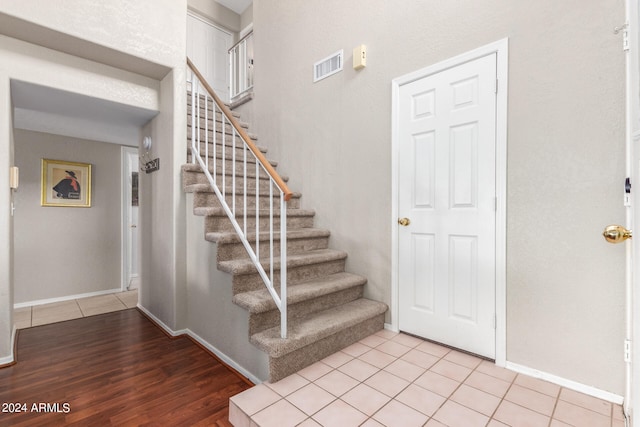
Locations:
column 193, row 177
column 209, row 137
column 210, row 112
column 228, row 129
column 223, row 224
column 228, row 150
column 228, row 169
column 229, row 163
column 251, row 202
column 210, row 199
column 229, row 251
column 284, row 366
column 202, row 98
column 263, row 321
column 253, row 282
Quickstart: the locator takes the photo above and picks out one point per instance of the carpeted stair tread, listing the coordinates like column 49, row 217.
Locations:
column 261, row 301
column 245, row 266
column 295, row 233
column 316, row 327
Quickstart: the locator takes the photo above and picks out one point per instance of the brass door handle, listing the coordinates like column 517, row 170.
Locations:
column 404, row 221
column 616, row 234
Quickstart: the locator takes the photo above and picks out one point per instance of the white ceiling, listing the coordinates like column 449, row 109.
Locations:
column 44, row 109
column 238, row 6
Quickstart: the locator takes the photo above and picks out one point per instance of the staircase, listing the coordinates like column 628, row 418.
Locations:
column 326, row 310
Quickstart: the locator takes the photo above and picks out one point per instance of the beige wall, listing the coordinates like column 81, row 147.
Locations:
column 565, row 288
column 62, row 251
column 247, row 17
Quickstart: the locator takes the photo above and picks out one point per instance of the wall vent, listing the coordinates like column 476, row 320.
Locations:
column 328, row 66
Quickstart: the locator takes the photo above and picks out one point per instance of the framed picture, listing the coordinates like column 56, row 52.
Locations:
column 66, row 184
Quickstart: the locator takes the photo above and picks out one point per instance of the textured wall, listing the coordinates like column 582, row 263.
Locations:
column 565, row 288
column 145, row 29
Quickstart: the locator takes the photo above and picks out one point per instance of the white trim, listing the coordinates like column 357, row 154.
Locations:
column 11, row 357
column 125, row 244
column 501, row 49
column 563, row 382
column 632, row 278
column 160, row 323
column 226, row 359
column 66, row 298
column 200, row 17
column 222, row 356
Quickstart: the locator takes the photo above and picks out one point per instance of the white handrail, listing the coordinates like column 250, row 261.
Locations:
column 231, row 133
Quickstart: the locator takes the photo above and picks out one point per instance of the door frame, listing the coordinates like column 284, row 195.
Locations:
column 632, row 212
column 500, row 48
column 126, row 153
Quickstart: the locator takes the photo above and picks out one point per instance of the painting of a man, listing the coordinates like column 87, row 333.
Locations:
column 68, row 187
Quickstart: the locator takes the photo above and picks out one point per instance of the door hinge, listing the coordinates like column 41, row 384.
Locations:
column 624, row 28
column 627, row 351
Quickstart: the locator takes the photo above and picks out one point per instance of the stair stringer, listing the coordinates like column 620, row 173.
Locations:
column 211, row 315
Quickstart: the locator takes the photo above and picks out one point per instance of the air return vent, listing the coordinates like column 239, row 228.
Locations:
column 328, row 66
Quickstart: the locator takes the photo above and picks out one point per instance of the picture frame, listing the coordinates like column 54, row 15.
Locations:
column 66, row 184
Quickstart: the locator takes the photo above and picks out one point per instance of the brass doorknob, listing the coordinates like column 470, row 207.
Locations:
column 404, row 221
column 616, row 234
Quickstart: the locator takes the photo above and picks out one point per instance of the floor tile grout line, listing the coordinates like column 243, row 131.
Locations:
column 502, row 399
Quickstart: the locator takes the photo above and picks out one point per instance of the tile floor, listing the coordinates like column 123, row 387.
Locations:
column 390, row 379
column 37, row 315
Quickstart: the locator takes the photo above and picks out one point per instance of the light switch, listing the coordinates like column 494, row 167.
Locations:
column 359, row 57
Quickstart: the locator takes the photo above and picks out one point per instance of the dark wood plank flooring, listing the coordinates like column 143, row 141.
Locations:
column 114, row 369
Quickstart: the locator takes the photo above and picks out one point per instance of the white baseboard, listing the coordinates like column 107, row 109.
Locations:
column 390, row 327
column 11, row 357
column 226, row 359
column 160, row 323
column 6, row 360
column 66, row 298
column 563, row 382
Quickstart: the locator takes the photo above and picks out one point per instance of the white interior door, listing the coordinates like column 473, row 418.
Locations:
column 447, row 190
column 208, row 48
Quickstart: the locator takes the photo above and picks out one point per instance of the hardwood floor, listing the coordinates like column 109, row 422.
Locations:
column 114, row 369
